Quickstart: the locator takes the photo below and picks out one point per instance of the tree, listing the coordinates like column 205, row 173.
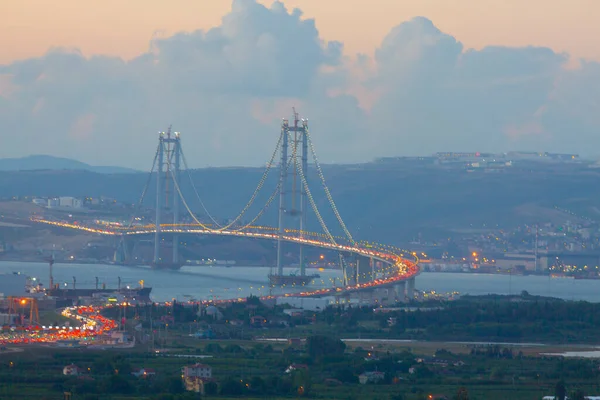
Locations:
column 577, row 395
column 232, row 387
column 345, row 374
column 118, row 384
column 498, row 373
column 175, row 386
column 560, row 390
column 233, row 348
column 258, row 385
column 301, row 380
column 210, row 388
column 462, row 394
column 319, row 346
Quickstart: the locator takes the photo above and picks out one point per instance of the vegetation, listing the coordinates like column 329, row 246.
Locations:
column 322, row 366
column 521, row 318
column 252, row 370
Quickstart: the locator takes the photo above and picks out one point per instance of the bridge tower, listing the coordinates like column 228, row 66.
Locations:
column 300, row 139
column 167, row 181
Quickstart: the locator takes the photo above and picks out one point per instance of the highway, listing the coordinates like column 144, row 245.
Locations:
column 90, row 324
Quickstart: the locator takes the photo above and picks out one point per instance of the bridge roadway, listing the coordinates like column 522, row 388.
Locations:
column 404, row 269
column 94, row 324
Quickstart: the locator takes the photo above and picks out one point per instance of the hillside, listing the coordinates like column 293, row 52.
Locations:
column 44, row 162
column 388, row 203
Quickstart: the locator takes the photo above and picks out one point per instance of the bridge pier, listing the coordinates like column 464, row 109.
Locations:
column 400, row 289
column 282, row 190
column 124, row 250
column 176, row 173
column 372, row 266
column 159, row 188
column 365, row 297
column 391, row 296
column 410, row 289
column 303, row 198
column 169, row 148
column 361, row 270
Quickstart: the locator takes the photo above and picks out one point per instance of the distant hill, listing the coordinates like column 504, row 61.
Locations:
column 44, row 162
column 386, row 203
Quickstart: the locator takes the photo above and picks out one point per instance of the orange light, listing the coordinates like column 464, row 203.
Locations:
column 474, row 254
column 23, row 301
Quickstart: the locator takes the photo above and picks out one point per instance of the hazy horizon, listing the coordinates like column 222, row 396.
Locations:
column 404, row 86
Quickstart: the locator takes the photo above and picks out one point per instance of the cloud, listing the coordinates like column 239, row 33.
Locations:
column 227, row 88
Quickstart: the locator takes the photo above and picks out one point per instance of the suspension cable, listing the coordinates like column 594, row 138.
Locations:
column 222, row 228
column 185, row 164
column 313, row 204
column 273, row 195
column 327, row 192
column 256, row 190
column 139, row 204
column 185, row 204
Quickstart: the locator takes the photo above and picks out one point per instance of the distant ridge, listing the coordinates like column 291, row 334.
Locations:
column 45, row 162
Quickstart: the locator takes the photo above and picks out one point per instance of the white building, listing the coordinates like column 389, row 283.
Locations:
column 197, row 371
column 195, row 376
column 71, row 202
column 53, row 202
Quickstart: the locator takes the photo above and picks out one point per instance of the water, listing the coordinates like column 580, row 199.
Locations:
column 205, row 282
column 198, row 282
column 575, row 354
column 481, row 284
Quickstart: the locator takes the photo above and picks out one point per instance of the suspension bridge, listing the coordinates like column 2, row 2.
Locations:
column 365, row 266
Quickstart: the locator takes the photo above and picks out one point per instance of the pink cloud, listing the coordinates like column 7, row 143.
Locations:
column 517, row 131
column 83, row 127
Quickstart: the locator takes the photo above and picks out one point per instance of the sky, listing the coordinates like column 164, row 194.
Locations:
column 375, row 79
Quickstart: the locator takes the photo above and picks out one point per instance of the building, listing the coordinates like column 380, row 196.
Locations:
column 197, row 371
column 296, row 367
column 71, row 370
column 521, row 261
column 195, row 377
column 118, row 337
column 203, row 334
column 294, row 312
column 53, row 202
column 371, row 377
column 8, row 319
column 70, row 202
